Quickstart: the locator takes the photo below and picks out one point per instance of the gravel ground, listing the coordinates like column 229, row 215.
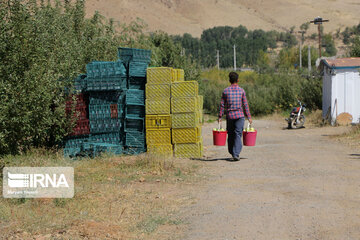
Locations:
column 295, row 184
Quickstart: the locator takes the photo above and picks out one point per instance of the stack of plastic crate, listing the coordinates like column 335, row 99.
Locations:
column 158, row 117
column 104, row 76
column 116, row 106
column 136, row 62
column 134, row 121
column 186, row 108
column 76, row 108
column 105, row 83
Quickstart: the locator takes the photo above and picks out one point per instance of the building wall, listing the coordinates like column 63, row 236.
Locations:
column 345, row 91
column 326, row 89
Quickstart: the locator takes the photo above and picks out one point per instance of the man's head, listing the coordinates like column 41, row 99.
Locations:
column 233, row 77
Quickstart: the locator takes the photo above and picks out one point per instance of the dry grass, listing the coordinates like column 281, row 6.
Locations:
column 135, row 197
column 351, row 137
column 313, row 119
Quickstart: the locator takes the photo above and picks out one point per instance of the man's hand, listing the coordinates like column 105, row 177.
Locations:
column 250, row 121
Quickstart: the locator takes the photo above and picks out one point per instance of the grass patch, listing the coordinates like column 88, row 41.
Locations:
column 351, row 137
column 115, row 196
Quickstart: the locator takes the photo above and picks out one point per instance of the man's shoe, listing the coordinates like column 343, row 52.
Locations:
column 236, row 158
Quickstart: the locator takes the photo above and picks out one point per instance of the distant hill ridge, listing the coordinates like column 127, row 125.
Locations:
column 194, row 16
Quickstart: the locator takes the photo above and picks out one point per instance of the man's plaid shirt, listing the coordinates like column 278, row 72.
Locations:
column 233, row 99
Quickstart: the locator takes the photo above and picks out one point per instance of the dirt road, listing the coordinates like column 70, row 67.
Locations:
column 295, row 184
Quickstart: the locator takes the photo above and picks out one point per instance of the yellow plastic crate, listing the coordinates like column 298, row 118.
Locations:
column 157, row 106
column 157, row 91
column 201, row 116
column 180, row 75
column 201, row 102
column 185, row 120
column 158, row 136
column 189, row 150
column 184, row 105
column 175, row 76
column 161, row 149
column 185, row 89
column 157, row 121
column 186, row 135
column 160, row 75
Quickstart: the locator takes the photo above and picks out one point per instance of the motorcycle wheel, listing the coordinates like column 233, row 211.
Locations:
column 300, row 124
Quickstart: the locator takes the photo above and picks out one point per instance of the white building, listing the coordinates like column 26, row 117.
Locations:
column 341, row 88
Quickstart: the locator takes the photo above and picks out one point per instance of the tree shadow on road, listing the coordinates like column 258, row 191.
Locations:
column 217, row 159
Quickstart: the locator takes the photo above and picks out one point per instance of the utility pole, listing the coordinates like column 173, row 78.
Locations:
column 309, row 59
column 318, row 21
column 234, row 57
column 300, row 47
column 217, row 59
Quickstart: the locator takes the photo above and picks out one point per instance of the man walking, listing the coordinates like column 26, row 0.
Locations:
column 232, row 102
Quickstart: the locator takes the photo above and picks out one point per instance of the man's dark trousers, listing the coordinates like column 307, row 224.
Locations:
column 235, row 128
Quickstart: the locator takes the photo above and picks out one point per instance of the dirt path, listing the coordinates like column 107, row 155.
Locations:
column 295, row 184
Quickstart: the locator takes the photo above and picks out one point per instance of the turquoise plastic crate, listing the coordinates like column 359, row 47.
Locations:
column 134, row 150
column 135, row 97
column 72, row 152
column 133, row 124
column 134, row 111
column 105, row 84
column 133, row 54
column 99, row 112
column 106, row 97
column 95, row 149
column 137, row 69
column 136, row 83
column 135, row 139
column 105, row 125
column 105, row 69
column 80, row 83
column 112, row 138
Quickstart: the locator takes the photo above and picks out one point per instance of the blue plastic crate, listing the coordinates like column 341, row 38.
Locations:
column 136, row 83
column 135, row 97
column 137, row 69
column 133, row 124
column 135, row 139
column 134, row 111
column 133, row 54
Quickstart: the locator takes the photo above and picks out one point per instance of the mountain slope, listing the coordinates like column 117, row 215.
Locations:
column 193, row 16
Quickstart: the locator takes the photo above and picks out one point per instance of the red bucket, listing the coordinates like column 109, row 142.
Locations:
column 219, row 138
column 249, row 138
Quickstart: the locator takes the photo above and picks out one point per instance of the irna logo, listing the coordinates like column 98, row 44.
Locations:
column 38, row 182
column 17, row 180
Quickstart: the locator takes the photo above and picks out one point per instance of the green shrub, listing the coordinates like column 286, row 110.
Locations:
column 266, row 92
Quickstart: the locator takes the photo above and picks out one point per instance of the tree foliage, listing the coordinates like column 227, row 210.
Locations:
column 249, row 45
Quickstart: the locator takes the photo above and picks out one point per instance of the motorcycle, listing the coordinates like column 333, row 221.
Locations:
column 297, row 118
